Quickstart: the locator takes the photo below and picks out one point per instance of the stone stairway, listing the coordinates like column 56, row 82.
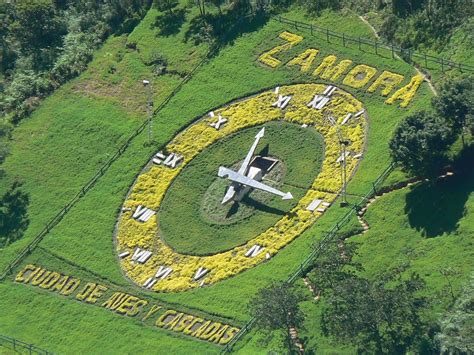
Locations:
column 296, row 340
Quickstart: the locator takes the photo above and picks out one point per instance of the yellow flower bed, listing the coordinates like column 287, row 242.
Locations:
column 291, row 39
column 359, row 76
column 388, row 81
column 151, row 185
column 406, row 93
column 329, row 70
column 304, row 60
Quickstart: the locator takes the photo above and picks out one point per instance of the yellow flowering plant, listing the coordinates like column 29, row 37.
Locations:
column 406, row 93
column 291, row 41
column 152, row 184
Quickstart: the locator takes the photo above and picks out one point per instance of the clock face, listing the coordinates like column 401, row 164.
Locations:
column 232, row 189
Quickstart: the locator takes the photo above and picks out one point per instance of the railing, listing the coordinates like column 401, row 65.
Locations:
column 19, row 346
column 319, row 248
column 377, row 45
column 85, row 188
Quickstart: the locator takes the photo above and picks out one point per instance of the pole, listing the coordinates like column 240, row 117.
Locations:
column 149, row 106
column 344, row 172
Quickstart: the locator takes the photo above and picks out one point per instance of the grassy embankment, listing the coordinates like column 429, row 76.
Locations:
column 88, row 246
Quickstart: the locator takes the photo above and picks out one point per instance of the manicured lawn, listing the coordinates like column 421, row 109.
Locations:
column 195, row 195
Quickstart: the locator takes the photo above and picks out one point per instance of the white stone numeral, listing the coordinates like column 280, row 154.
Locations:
column 329, row 90
column 254, row 251
column 347, row 118
column 282, row 101
column 124, row 254
column 143, row 214
column 315, row 101
column 163, row 272
column 141, row 255
column 200, row 273
column 149, row 283
column 172, row 160
column 220, row 122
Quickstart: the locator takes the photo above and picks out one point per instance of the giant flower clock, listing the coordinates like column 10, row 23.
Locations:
column 182, row 226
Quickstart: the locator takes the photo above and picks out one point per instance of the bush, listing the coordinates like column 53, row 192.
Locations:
column 21, row 95
column 77, row 52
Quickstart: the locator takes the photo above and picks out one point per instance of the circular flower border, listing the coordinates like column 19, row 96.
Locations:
column 151, row 185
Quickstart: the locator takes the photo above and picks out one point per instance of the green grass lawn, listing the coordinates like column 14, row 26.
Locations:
column 91, row 116
column 64, row 142
column 195, row 195
column 428, row 227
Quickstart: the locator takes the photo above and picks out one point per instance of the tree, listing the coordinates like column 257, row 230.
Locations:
column 333, row 266
column 276, row 308
column 456, row 104
column 13, row 214
column 406, row 7
column 317, row 6
column 5, row 131
column 457, row 334
column 5, row 50
column 218, row 4
column 420, row 144
column 374, row 316
column 165, row 5
column 37, row 30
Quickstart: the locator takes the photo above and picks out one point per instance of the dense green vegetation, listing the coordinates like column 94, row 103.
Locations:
column 45, row 43
column 426, row 228
column 276, row 308
column 211, row 227
column 423, row 143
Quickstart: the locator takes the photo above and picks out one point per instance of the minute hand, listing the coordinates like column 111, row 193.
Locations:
column 245, row 180
column 245, row 164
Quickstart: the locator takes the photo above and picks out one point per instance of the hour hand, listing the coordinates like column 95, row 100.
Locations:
column 245, row 180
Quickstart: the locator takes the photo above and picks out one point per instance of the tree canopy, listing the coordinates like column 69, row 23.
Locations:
column 276, row 308
column 420, row 144
column 455, row 103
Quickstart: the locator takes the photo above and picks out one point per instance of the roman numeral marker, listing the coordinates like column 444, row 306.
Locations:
column 254, row 251
column 141, row 255
column 163, row 272
column 200, row 273
column 282, row 101
column 143, row 214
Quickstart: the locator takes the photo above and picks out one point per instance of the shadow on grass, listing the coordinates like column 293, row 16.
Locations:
column 169, row 23
column 222, row 30
column 436, row 208
column 262, row 207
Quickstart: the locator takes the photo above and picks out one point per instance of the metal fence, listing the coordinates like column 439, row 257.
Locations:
column 20, row 346
column 377, row 46
column 320, row 247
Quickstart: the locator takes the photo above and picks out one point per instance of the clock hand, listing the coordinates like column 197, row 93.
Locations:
column 243, row 169
column 245, row 180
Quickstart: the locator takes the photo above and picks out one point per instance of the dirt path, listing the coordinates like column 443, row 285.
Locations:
column 426, row 78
